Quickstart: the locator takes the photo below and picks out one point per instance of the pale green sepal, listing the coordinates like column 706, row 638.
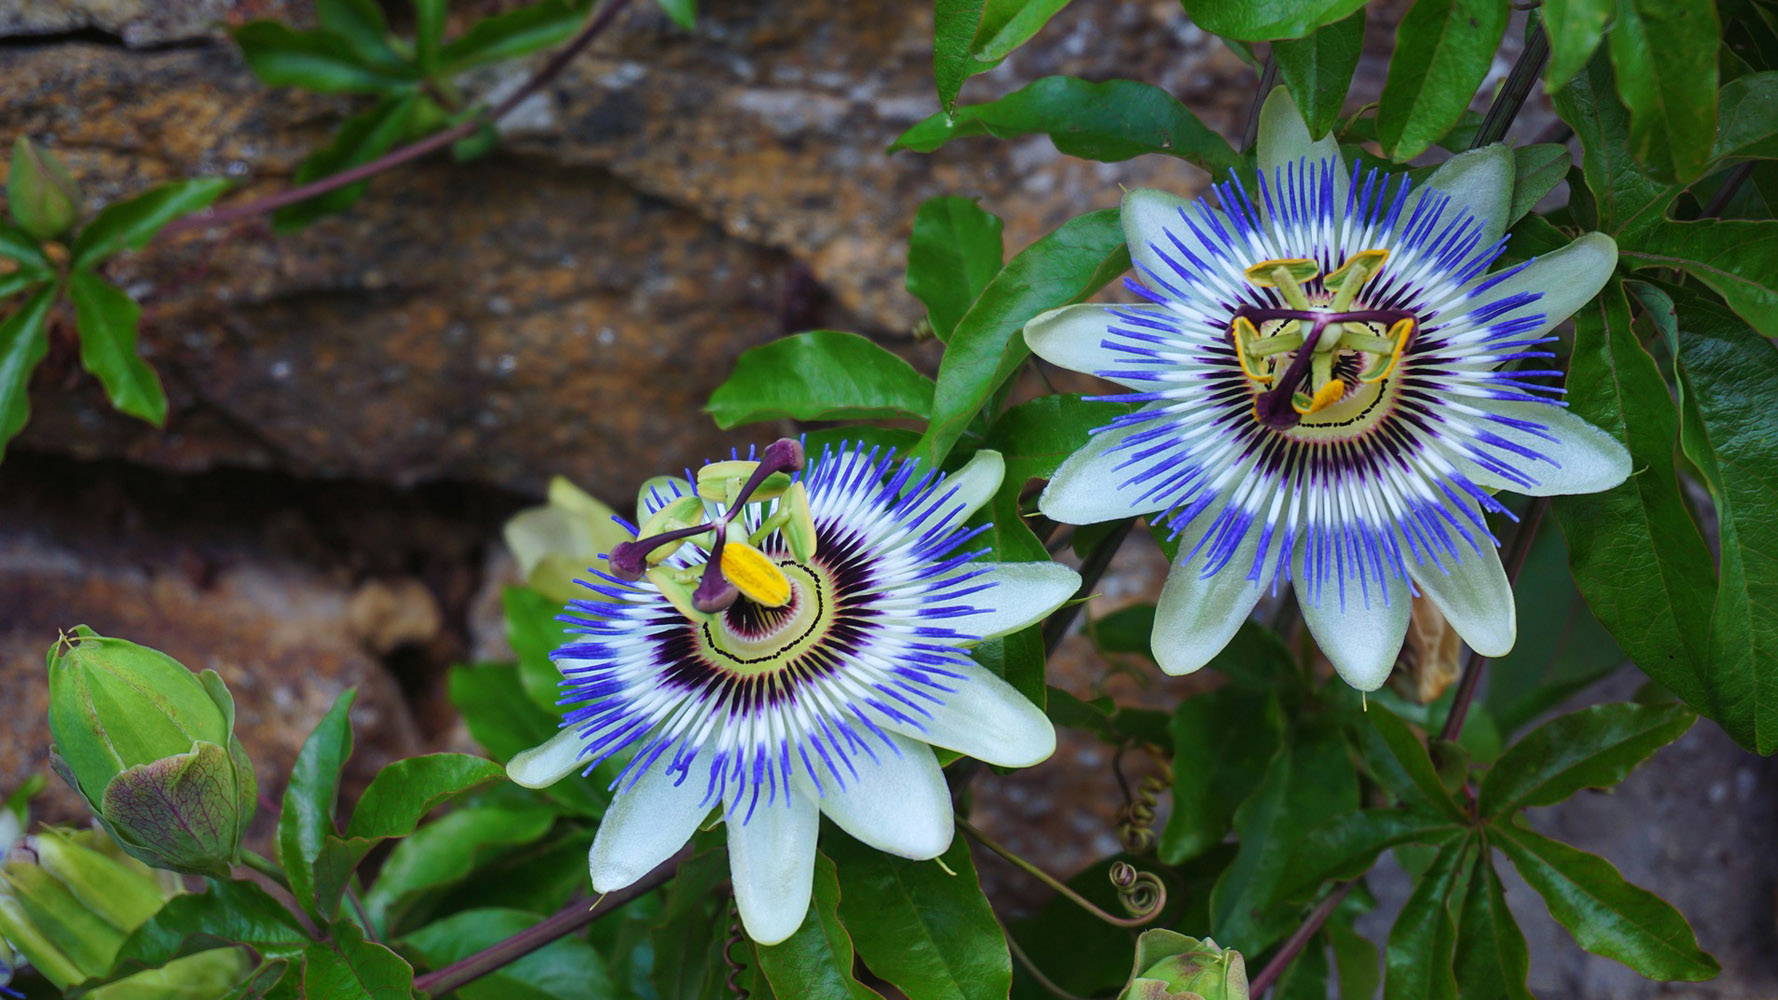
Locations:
column 771, row 860
column 1565, row 280
column 647, row 823
column 1480, row 180
column 549, row 762
column 1073, row 337
column 1362, row 637
column 1475, row 597
column 1284, row 139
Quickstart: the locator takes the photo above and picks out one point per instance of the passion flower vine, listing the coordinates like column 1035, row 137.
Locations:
column 781, row 642
column 1331, row 387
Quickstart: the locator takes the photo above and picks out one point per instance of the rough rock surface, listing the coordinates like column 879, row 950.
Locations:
column 568, row 304
column 236, row 574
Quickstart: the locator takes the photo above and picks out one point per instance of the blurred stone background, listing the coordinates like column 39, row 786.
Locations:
column 358, row 406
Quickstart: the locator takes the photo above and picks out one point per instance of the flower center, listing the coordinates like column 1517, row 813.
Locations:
column 1318, row 364
column 735, row 567
column 750, row 639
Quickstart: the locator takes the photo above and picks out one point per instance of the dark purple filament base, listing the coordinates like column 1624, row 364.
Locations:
column 1273, row 407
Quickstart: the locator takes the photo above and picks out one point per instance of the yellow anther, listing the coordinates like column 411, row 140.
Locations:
column 721, row 481
column 755, row 575
column 1266, row 273
column 1358, row 268
column 1399, row 333
column 1245, row 335
column 683, row 512
column 1324, row 397
column 1286, row 275
column 799, row 528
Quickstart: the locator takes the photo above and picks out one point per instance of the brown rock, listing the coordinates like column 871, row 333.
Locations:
column 271, row 626
column 385, row 615
column 567, row 305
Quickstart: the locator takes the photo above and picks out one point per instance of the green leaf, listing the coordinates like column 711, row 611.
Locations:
column 1593, row 748
column 1399, row 761
column 130, row 224
column 306, row 823
column 1305, row 978
column 1318, row 70
column 1310, row 779
column 362, row 25
column 820, row 375
column 1064, row 267
column 954, row 252
column 429, row 25
column 1223, row 741
column 816, row 961
column 1747, row 118
column 107, row 319
column 20, row 281
column 22, row 345
column 929, row 932
column 1348, row 845
column 361, row 139
column 448, row 849
column 1665, row 55
column 226, row 912
column 534, row 633
column 404, row 792
column 351, row 968
column 1109, row 121
column 688, row 939
column 953, row 43
column 1626, row 196
column 321, row 61
column 1607, row 915
column 1266, row 20
column 566, row 967
column 683, row 12
column 1575, row 28
column 1736, row 258
column 1356, row 961
column 515, row 33
column 1661, row 613
column 1492, row 961
column 505, row 720
column 1537, row 169
column 22, row 248
column 1443, row 49
column 1730, row 386
column 1561, row 647
column 1423, row 941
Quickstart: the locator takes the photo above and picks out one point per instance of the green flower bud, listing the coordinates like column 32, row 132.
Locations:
column 556, row 543
column 151, row 748
column 69, row 900
column 1171, row 966
column 44, row 199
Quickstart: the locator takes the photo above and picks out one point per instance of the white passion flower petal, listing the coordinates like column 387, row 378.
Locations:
column 991, row 721
column 1022, row 594
column 902, row 805
column 646, row 824
column 1479, row 180
column 771, row 860
column 1283, row 141
column 1205, row 598
column 1552, row 287
column 548, row 763
column 1471, row 590
column 1360, row 632
column 1571, row 456
column 958, row 495
column 1081, row 338
column 1097, row 483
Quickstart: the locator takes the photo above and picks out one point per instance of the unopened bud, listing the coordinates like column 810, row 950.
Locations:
column 151, row 748
column 42, row 196
column 1171, row 966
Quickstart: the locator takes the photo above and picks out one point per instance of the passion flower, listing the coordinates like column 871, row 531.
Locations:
column 781, row 642
column 1331, row 385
